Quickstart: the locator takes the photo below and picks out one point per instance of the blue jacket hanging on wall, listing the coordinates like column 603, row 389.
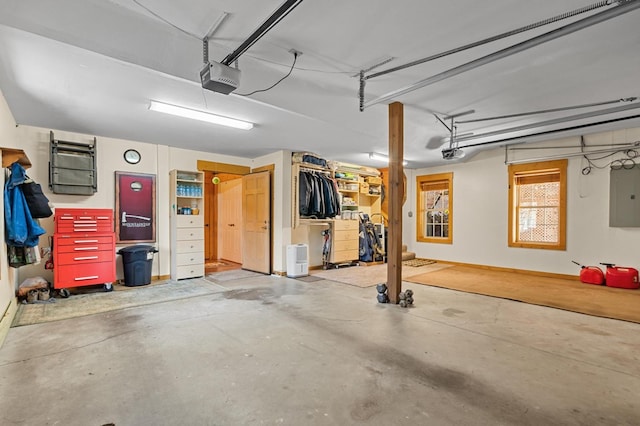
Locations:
column 21, row 229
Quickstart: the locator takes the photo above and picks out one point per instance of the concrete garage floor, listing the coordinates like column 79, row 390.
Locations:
column 272, row 350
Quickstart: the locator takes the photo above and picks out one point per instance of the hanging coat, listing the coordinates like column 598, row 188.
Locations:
column 21, row 230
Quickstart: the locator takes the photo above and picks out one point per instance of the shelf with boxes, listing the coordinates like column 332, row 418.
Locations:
column 372, row 186
column 349, row 190
column 369, row 198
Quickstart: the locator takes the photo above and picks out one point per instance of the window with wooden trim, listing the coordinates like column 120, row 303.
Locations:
column 435, row 208
column 538, row 205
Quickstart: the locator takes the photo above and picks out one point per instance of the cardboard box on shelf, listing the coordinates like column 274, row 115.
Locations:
column 373, row 180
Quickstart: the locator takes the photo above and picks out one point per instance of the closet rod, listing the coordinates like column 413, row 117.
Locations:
column 307, row 169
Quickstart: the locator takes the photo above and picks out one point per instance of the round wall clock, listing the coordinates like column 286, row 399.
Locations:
column 132, row 156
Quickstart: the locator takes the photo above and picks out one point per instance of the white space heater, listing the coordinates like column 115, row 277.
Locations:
column 297, row 260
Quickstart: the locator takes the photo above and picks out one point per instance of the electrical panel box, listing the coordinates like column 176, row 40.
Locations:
column 624, row 197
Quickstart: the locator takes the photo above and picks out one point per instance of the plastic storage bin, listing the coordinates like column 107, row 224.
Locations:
column 137, row 261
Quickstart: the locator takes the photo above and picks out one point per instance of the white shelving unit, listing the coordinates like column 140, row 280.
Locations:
column 187, row 224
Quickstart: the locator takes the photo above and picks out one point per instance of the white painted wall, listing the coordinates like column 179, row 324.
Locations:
column 156, row 159
column 480, row 197
column 8, row 139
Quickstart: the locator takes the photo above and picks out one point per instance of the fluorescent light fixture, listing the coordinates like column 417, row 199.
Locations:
column 382, row 157
column 195, row 114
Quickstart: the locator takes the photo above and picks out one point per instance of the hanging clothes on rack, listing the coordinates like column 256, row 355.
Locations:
column 22, row 231
column 318, row 195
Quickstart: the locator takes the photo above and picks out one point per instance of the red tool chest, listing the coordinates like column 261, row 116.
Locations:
column 84, row 248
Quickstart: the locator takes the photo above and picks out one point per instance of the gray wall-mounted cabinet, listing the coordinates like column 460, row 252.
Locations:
column 72, row 167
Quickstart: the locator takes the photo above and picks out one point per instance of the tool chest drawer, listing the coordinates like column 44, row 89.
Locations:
column 67, row 241
column 69, row 221
column 79, row 249
column 81, row 258
column 84, row 274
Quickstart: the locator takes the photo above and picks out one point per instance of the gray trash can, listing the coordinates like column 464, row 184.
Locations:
column 137, row 262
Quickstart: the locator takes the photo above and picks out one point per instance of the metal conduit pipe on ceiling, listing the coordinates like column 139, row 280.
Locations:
column 267, row 25
column 630, row 145
column 493, row 38
column 621, row 9
column 519, row 139
column 550, row 122
column 545, row 111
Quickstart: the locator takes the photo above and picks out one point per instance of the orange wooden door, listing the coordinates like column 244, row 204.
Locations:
column 230, row 220
column 256, row 217
column 210, row 219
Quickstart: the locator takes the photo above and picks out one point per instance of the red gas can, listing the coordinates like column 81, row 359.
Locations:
column 592, row 275
column 622, row 277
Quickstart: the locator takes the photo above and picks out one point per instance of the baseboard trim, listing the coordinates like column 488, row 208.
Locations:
column 518, row 271
column 153, row 278
column 7, row 319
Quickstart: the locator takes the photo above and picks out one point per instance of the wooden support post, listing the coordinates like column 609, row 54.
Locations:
column 396, row 195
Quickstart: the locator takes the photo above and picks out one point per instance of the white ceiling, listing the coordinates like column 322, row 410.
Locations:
column 92, row 66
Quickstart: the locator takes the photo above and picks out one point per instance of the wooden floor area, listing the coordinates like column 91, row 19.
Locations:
column 220, row 266
column 568, row 294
